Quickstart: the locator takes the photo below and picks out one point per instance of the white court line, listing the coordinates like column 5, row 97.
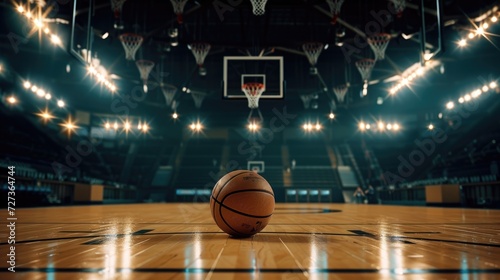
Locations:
column 304, row 271
column 209, row 275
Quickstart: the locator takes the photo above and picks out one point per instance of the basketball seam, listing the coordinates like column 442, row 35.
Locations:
column 223, row 187
column 238, row 212
column 249, row 190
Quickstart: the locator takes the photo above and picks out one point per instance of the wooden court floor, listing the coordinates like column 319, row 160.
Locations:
column 302, row 241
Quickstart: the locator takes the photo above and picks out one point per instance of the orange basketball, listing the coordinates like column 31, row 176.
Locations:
column 242, row 203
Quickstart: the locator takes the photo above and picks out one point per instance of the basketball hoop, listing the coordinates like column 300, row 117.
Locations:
column 145, row 67
column 116, row 6
column 169, row 92
column 335, row 6
column 365, row 67
column 253, row 92
column 399, row 7
column 312, row 51
column 131, row 43
column 179, row 9
column 341, row 92
column 379, row 43
column 259, row 7
column 306, row 99
column 200, row 52
column 198, row 98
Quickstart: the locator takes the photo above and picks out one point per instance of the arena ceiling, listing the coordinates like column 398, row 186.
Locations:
column 231, row 28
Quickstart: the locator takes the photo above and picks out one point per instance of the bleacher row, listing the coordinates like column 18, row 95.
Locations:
column 290, row 165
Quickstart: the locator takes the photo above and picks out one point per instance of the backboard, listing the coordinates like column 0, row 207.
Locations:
column 256, row 166
column 239, row 70
column 81, row 30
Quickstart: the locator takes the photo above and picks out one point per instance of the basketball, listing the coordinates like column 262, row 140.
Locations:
column 242, row 203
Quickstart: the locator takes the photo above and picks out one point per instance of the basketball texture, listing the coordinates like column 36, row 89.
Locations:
column 242, row 203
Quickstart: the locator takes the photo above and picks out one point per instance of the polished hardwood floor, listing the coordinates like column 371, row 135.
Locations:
column 302, row 241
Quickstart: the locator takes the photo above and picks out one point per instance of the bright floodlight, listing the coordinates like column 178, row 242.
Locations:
column 46, row 30
column 494, row 19
column 476, row 93
column 362, row 126
column 34, row 89
column 368, row 126
column 40, row 92
column 46, row 115
column 420, row 71
column 389, row 126
column 461, row 100
column 486, row 25
column 471, row 35
column 196, row 126
column 175, row 115
column 38, row 23
column 107, row 125
column 318, row 126
column 12, row 100
column 69, row 125
column 485, row 88
column 396, row 126
column 60, row 103
column 115, row 125
column 450, row 105
column 253, row 126
column 480, row 31
column 467, row 98
column 493, row 85
column 48, row 96
column 462, row 43
column 20, row 9
column 145, row 128
column 55, row 39
column 431, row 127
column 126, row 126
column 331, row 116
column 28, row 14
column 381, row 125
column 27, row 84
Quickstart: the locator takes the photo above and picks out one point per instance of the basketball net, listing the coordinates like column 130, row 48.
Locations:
column 259, row 7
column 341, row 92
column 116, row 6
column 131, row 43
column 253, row 92
column 399, row 6
column 335, row 6
column 179, row 9
column 145, row 67
column 378, row 44
column 312, row 51
column 200, row 52
column 306, row 99
column 169, row 92
column 365, row 67
column 198, row 98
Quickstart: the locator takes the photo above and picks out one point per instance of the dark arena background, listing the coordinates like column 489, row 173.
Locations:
column 376, row 123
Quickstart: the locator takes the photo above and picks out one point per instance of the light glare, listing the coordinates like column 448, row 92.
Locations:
column 450, row 105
